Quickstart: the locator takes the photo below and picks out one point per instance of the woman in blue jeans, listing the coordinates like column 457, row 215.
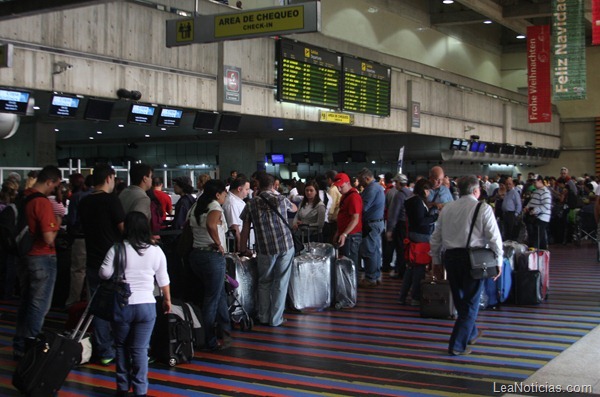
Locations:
column 420, row 227
column 207, row 260
column 133, row 324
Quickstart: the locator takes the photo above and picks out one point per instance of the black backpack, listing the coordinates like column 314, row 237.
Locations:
column 8, row 227
column 24, row 238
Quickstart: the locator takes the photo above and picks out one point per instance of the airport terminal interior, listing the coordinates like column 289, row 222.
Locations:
column 297, row 88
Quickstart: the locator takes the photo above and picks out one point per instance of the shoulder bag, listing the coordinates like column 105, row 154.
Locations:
column 298, row 244
column 484, row 263
column 113, row 294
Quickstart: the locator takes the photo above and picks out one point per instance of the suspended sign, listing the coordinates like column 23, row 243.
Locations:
column 568, row 50
column 596, row 22
column 538, row 74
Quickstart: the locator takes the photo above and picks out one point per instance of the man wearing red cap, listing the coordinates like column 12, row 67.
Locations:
column 349, row 219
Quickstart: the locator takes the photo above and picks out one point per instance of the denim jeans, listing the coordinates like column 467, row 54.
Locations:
column 209, row 267
column 412, row 278
column 351, row 248
column 370, row 251
column 466, row 292
column 37, row 275
column 133, row 329
column 102, row 338
column 273, row 279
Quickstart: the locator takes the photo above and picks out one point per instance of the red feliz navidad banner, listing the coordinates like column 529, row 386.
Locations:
column 596, row 22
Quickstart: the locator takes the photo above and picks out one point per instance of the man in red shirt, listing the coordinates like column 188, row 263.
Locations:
column 37, row 272
column 163, row 198
column 349, row 219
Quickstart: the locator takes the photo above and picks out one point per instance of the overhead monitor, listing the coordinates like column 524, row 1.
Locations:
column 299, row 158
column 205, row 120
column 482, row 147
column 315, row 158
column 474, row 147
column 12, row 101
column 340, row 157
column 277, row 158
column 98, row 110
column 521, row 150
column 63, row 105
column 358, row 157
column 141, row 114
column 507, row 149
column 169, row 117
column 229, row 122
column 492, row 148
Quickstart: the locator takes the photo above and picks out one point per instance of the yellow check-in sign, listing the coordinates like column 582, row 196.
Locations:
column 333, row 117
column 259, row 22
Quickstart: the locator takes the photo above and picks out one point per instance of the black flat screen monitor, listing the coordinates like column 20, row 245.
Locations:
column 482, row 147
column 521, row 150
column 13, row 101
column 229, row 122
column 141, row 114
column 277, row 158
column 299, row 158
column 63, row 106
column 98, row 110
column 492, row 148
column 340, row 157
column 359, row 157
column 507, row 149
column 455, row 144
column 169, row 117
column 205, row 121
column 474, row 147
column 315, row 158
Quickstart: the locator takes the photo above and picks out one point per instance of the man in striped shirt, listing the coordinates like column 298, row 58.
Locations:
column 540, row 207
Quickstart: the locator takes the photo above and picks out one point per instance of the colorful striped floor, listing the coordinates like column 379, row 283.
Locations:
column 378, row 348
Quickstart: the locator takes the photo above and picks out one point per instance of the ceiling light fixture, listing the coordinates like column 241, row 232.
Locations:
column 291, row 139
column 163, row 129
column 56, row 130
column 99, row 132
column 372, row 10
column 448, row 1
column 487, row 22
column 91, row 137
column 36, row 108
column 147, row 136
column 121, row 126
column 520, row 36
column 210, row 132
column 279, row 129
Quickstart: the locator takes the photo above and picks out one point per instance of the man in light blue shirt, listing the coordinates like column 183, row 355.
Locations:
column 511, row 208
column 373, row 198
column 439, row 194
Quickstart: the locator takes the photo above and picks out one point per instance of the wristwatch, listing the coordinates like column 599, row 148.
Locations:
column 345, row 235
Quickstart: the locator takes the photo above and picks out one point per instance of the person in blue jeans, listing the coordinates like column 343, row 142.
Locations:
column 448, row 247
column 37, row 271
column 207, row 260
column 420, row 227
column 143, row 262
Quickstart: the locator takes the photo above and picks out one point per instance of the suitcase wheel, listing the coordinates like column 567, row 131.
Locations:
column 172, row 362
column 246, row 324
column 338, row 306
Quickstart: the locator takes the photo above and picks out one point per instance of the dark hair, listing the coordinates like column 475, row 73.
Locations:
column 77, row 182
column 237, row 182
column 420, row 187
column 138, row 172
column 265, row 181
column 211, row 188
column 49, row 173
column 317, row 199
column 32, row 174
column 137, row 231
column 101, row 172
column 157, row 181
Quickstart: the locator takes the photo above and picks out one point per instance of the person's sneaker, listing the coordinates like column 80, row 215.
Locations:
column 107, row 361
column 415, row 302
column 364, row 283
column 394, row 274
column 479, row 335
column 462, row 353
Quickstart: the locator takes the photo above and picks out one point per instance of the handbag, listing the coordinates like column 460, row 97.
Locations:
column 418, row 253
column 185, row 242
column 113, row 294
column 298, row 244
column 484, row 263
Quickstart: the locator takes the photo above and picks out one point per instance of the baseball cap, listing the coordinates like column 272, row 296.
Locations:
column 340, row 179
column 400, row 178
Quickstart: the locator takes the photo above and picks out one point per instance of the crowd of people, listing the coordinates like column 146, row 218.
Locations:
column 369, row 218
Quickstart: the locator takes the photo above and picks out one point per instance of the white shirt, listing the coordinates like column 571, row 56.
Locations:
column 201, row 237
column 140, row 271
column 454, row 222
column 232, row 208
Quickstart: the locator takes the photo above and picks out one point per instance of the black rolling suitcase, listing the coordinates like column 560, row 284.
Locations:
column 176, row 333
column 47, row 363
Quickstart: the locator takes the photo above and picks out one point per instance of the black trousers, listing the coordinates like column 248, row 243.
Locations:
column 509, row 219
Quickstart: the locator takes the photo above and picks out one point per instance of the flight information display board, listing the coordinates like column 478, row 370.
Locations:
column 308, row 75
column 367, row 87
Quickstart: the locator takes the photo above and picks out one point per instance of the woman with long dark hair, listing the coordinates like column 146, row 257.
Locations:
column 144, row 261
column 420, row 228
column 311, row 213
column 207, row 259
